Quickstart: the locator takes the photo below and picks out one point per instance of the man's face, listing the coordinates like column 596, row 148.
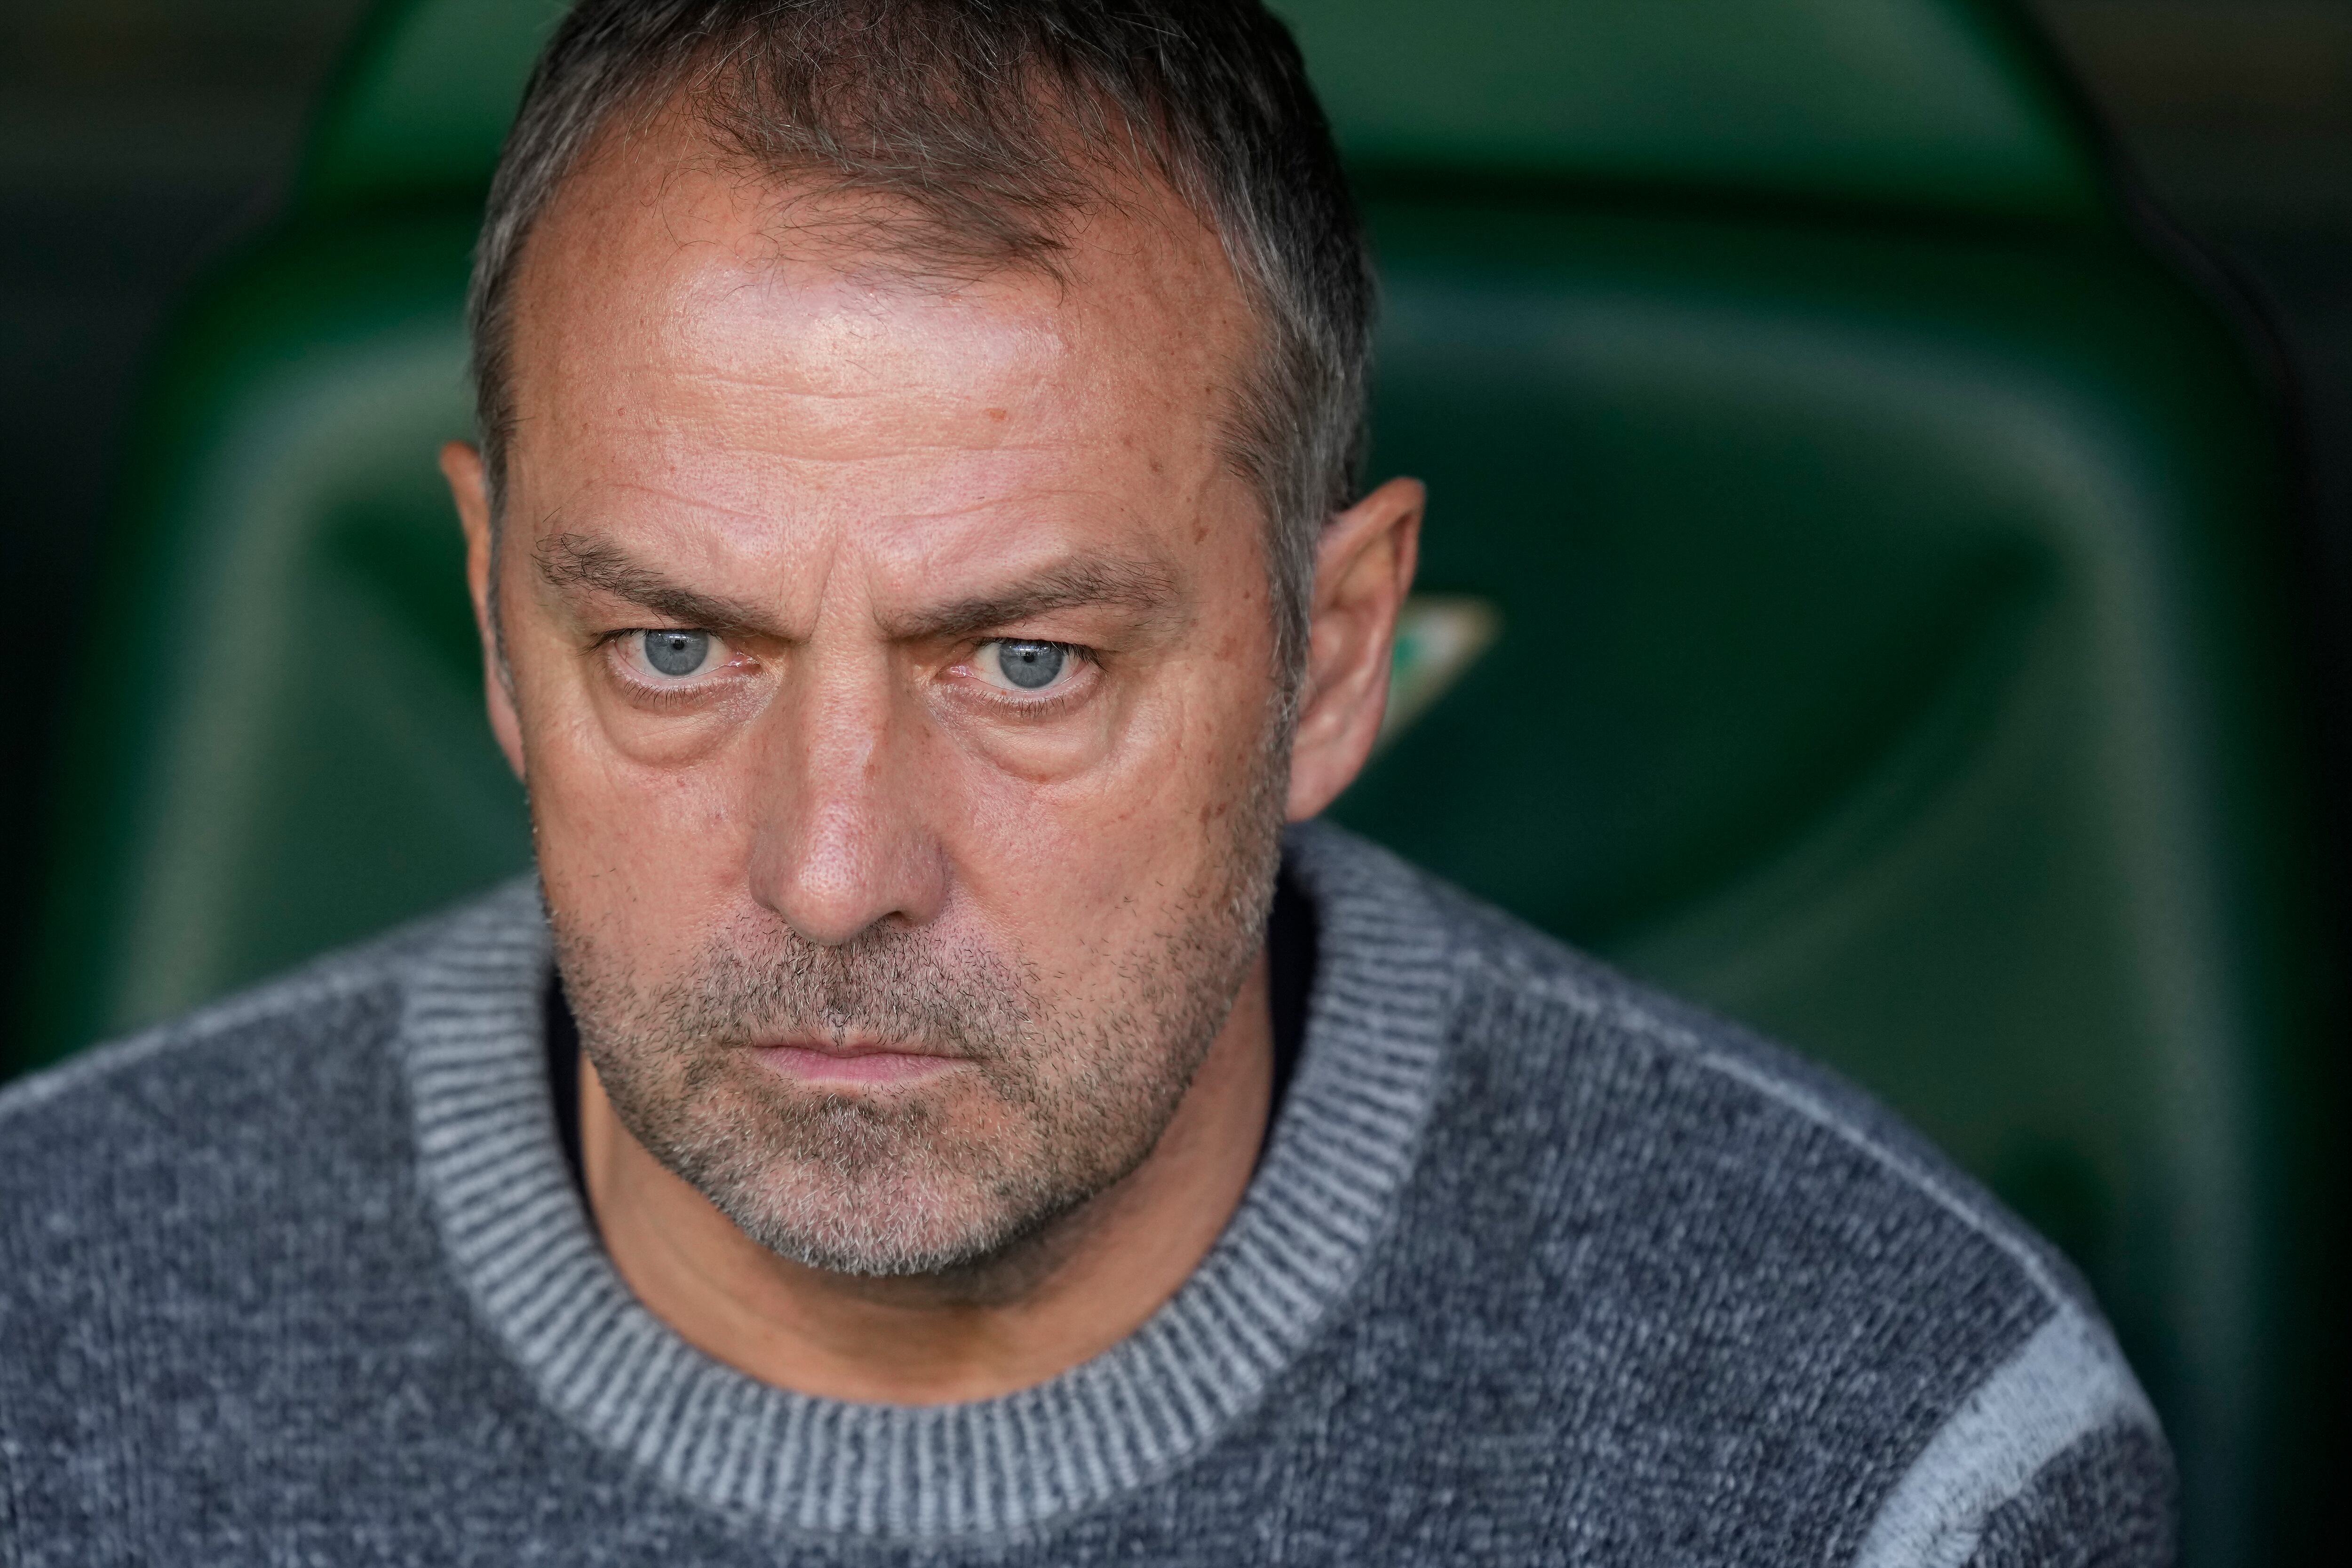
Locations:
column 894, row 679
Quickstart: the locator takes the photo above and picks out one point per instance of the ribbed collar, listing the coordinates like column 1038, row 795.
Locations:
column 516, row 1236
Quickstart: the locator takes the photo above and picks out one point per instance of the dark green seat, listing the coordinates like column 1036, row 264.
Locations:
column 1888, row 546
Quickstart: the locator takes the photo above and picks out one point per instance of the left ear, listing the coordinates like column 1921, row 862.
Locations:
column 461, row 465
column 1363, row 569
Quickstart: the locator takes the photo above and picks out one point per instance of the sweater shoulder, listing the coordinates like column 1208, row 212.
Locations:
column 173, row 1079
column 1558, row 1024
column 214, row 1105
column 1696, row 1194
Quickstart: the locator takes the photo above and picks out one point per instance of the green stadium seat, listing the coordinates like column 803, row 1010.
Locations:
column 1888, row 552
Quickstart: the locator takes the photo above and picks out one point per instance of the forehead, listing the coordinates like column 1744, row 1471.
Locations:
column 670, row 291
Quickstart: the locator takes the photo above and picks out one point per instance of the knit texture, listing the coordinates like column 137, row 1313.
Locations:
column 1537, row 1267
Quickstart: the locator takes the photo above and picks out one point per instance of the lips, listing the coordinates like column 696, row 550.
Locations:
column 856, row 1064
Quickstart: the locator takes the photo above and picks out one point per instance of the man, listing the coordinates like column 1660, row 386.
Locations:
column 927, row 1107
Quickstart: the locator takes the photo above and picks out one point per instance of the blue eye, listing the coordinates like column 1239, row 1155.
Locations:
column 676, row 653
column 1031, row 665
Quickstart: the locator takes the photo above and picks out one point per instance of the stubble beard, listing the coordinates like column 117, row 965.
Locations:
column 1061, row 1098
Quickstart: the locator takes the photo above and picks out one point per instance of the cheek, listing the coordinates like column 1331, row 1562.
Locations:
column 653, row 859
column 1120, row 853
column 614, row 790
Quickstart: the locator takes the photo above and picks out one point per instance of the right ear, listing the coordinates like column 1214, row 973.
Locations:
column 461, row 465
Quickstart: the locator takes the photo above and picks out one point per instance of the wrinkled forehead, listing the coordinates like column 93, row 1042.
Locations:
column 665, row 269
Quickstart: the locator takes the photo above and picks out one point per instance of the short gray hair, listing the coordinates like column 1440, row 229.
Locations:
column 991, row 121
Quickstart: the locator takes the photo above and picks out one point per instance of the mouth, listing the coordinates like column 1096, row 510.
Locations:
column 856, row 1064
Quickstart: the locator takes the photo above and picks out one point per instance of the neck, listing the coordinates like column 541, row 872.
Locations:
column 1086, row 1282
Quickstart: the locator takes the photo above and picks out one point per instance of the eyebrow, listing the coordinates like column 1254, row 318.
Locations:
column 578, row 560
column 1143, row 586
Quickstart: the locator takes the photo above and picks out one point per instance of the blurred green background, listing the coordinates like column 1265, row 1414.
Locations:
column 140, row 140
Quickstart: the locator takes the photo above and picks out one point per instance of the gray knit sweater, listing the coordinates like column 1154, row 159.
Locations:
column 1539, row 1268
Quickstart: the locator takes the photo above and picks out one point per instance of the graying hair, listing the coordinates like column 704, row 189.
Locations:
column 980, row 127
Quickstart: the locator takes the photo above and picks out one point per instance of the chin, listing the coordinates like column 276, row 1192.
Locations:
column 888, row 1189
column 888, row 1229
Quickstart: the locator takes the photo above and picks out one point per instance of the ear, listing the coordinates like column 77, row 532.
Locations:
column 1363, row 569
column 461, row 465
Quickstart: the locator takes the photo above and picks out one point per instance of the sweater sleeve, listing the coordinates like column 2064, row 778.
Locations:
column 2106, row 1502
column 2054, row 1458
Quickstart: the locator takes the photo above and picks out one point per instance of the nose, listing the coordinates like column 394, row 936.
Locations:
column 841, row 843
